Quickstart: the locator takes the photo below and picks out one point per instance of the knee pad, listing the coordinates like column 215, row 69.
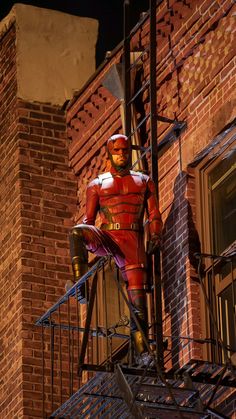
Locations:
column 77, row 246
column 136, row 278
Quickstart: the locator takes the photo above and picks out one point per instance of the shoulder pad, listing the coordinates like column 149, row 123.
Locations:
column 104, row 176
column 143, row 176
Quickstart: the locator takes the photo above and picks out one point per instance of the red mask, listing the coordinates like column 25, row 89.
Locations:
column 118, row 144
column 119, row 152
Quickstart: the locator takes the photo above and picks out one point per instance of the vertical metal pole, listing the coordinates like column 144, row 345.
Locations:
column 52, row 360
column 233, row 298
column 97, row 343
column 104, row 288
column 43, row 372
column 72, row 361
column 218, row 352
column 126, row 69
column 154, row 174
column 88, row 323
column 78, row 326
column 60, row 352
column 69, row 344
column 119, row 306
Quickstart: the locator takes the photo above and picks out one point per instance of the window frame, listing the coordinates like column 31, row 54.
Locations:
column 205, row 227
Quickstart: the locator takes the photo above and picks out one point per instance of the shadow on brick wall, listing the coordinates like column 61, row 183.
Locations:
column 180, row 241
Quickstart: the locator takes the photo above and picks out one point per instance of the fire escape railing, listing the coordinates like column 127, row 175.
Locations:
column 79, row 341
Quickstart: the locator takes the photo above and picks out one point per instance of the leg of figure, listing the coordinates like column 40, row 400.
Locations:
column 138, row 300
column 79, row 260
column 85, row 237
column 136, row 279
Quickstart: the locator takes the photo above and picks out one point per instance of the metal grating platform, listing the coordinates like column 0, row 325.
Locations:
column 136, row 393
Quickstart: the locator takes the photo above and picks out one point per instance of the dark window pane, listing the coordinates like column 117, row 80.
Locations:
column 222, row 183
column 227, row 316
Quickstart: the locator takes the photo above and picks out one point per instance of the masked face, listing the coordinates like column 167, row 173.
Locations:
column 119, row 152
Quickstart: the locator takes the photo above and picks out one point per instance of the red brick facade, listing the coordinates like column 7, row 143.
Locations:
column 196, row 83
column 45, row 170
column 38, row 200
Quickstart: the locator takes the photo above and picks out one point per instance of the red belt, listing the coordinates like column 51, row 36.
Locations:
column 121, row 226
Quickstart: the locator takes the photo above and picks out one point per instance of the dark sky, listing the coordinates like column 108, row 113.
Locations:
column 108, row 12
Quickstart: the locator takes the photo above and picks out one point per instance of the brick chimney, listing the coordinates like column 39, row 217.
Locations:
column 44, row 56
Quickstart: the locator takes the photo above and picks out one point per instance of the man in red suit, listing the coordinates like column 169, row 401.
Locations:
column 121, row 197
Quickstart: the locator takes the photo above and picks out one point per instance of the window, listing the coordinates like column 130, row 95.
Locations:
column 222, row 190
column 217, row 176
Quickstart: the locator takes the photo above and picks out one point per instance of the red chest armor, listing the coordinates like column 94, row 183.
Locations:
column 122, row 200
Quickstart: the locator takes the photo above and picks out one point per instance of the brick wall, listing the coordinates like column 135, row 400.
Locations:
column 38, row 200
column 48, row 202
column 195, row 83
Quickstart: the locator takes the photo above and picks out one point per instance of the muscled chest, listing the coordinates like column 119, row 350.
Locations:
column 126, row 185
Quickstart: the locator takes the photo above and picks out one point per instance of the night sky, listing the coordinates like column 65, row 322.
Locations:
column 108, row 12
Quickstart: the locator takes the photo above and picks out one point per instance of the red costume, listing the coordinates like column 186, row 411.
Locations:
column 121, row 197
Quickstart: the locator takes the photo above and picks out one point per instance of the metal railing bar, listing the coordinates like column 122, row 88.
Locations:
column 60, row 352
column 214, row 302
column 69, row 344
column 52, row 361
column 142, row 156
column 118, row 295
column 142, row 88
column 97, row 395
column 86, row 340
column 216, row 414
column 88, row 321
column 198, row 340
column 170, row 136
column 216, row 388
column 168, row 120
column 72, row 363
column 97, row 266
column 214, row 256
column 43, row 371
column 97, row 340
column 139, row 125
column 104, row 289
column 92, row 331
column 142, row 53
column 77, row 329
column 233, row 295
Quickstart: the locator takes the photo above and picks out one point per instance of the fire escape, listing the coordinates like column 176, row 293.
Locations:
column 88, row 362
